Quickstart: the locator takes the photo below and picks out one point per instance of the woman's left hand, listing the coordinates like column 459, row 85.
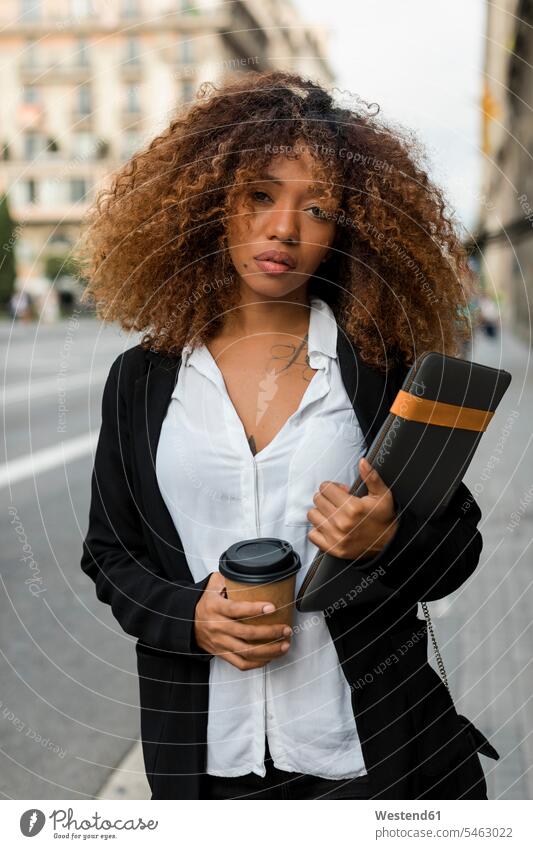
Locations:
column 349, row 526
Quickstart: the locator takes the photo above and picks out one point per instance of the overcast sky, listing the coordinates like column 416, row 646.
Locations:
column 422, row 62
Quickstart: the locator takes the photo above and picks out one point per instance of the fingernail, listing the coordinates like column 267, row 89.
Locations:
column 268, row 608
column 287, row 632
column 284, row 646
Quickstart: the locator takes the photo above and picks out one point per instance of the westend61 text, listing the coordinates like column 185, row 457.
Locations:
column 407, row 815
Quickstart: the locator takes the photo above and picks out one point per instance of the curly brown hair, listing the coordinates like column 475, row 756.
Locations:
column 155, row 252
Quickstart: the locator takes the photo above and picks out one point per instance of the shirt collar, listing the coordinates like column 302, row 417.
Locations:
column 322, row 336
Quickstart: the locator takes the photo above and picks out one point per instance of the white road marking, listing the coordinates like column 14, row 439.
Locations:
column 51, row 385
column 48, row 458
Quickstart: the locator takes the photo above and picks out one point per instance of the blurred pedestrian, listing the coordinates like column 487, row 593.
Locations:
column 489, row 316
column 20, row 306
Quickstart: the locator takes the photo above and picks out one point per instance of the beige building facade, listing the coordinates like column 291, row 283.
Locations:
column 505, row 228
column 87, row 82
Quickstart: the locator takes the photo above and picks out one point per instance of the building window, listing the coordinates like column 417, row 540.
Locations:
column 51, row 193
column 59, row 238
column 132, row 51
column 33, row 145
column 131, row 143
column 30, row 54
column 84, row 99
column 24, row 192
column 188, row 91
column 130, row 8
column 102, row 149
column 78, row 189
column 84, row 145
column 186, row 51
column 82, row 53
column 30, row 10
column 81, row 8
column 30, row 94
column 132, row 99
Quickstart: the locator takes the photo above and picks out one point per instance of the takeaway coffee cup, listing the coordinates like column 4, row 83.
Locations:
column 262, row 569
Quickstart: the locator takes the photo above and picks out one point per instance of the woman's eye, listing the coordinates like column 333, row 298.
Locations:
column 320, row 213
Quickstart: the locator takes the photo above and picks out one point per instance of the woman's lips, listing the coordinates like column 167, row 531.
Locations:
column 270, row 267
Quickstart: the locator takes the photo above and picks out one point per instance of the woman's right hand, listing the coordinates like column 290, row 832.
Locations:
column 217, row 630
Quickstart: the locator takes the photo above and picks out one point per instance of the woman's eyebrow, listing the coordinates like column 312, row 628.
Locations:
column 270, row 178
column 311, row 189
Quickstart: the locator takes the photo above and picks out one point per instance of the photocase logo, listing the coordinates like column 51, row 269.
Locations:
column 31, row 822
column 267, row 389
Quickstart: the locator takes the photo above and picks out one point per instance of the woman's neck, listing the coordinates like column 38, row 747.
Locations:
column 270, row 316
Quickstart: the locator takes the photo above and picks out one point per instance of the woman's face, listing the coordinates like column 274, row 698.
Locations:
column 288, row 219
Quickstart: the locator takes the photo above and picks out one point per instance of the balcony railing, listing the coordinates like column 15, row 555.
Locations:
column 46, row 72
column 81, row 119
column 131, row 118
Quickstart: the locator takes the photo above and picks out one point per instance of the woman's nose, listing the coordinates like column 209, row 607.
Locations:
column 283, row 223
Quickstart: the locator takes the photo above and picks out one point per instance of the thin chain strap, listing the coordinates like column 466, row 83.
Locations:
column 435, row 646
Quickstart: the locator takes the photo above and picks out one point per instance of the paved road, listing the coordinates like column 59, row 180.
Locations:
column 69, row 698
column 485, row 631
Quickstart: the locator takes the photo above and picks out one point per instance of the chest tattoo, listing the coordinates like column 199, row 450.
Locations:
column 293, row 355
column 289, row 355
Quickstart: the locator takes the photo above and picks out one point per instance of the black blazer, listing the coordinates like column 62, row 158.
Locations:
column 412, row 741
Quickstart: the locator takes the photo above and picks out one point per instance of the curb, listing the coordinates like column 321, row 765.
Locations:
column 128, row 780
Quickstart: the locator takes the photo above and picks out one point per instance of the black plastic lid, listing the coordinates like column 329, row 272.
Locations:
column 259, row 561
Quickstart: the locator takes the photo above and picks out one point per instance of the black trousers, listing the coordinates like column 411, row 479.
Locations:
column 280, row 784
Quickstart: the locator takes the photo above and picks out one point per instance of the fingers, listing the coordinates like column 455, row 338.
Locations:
column 333, row 495
column 249, row 655
column 337, row 512
column 326, row 509
column 264, row 633
column 218, row 602
column 244, row 635
column 374, row 483
column 243, row 609
column 242, row 664
column 246, row 645
column 216, row 581
column 216, row 585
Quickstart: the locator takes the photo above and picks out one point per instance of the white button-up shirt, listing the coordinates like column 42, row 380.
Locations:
column 217, row 493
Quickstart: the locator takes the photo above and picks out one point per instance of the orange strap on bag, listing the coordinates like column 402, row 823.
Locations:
column 438, row 413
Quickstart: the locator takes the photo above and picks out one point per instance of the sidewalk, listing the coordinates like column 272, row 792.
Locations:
column 128, row 781
column 485, row 635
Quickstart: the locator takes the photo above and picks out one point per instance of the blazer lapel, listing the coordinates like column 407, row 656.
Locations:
column 151, row 399
column 370, row 391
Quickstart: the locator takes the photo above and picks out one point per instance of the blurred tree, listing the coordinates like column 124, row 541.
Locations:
column 8, row 237
column 60, row 265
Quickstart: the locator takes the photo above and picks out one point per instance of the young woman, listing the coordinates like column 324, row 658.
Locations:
column 286, row 259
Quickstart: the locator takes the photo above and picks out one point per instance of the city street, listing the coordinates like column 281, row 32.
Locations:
column 68, row 670
column 69, row 701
